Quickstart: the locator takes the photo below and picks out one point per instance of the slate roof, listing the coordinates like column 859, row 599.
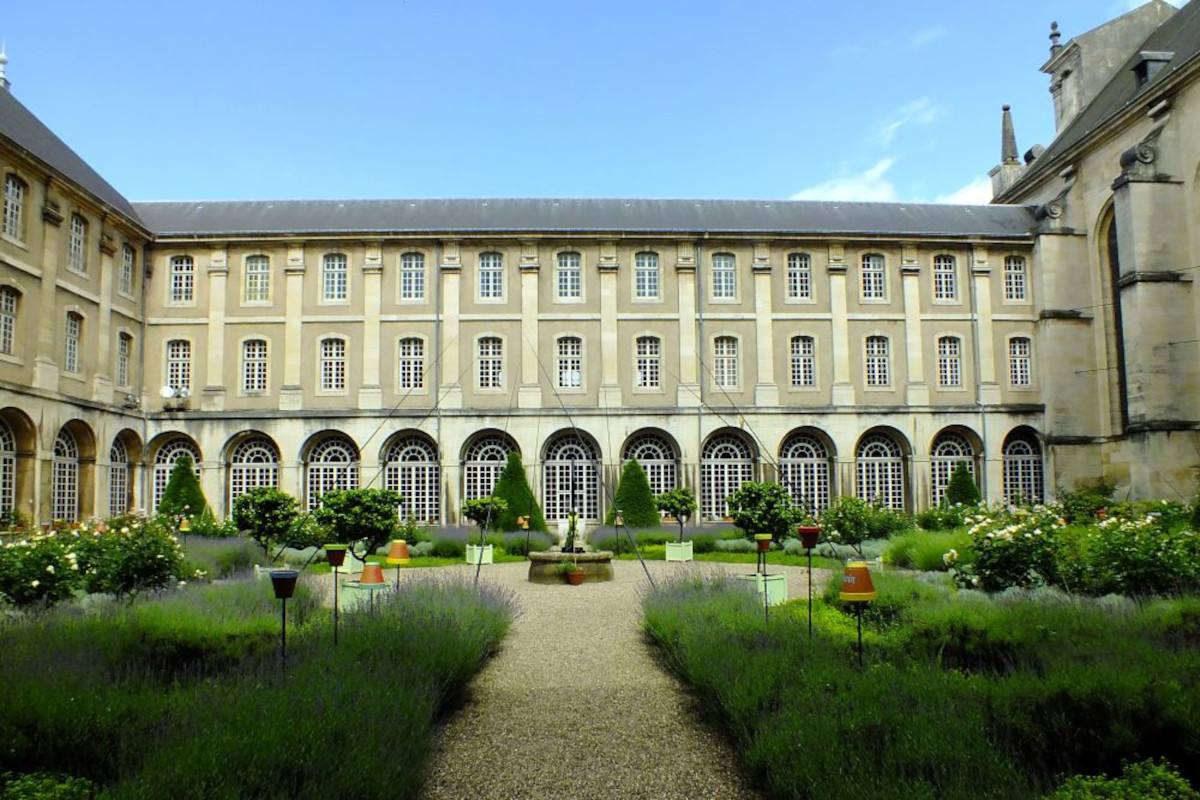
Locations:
column 1178, row 34
column 699, row 217
column 23, row 129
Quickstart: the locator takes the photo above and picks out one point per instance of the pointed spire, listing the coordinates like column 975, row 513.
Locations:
column 1008, row 139
column 4, row 84
column 1055, row 47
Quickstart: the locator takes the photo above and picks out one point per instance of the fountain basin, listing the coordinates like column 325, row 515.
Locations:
column 544, row 566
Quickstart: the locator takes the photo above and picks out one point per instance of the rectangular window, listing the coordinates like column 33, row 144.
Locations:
column 725, row 362
column 1014, row 279
column 14, row 207
column 183, row 279
column 8, row 320
column 334, row 278
column 570, row 362
column 646, row 276
column 949, row 362
column 804, row 361
column 179, row 364
column 333, row 365
column 254, row 366
column 491, row 276
column 649, row 358
column 128, row 264
column 411, row 369
column 874, row 284
column 878, row 362
column 1020, row 362
column 570, row 276
column 124, row 351
column 412, row 276
column 77, row 244
column 74, row 333
column 724, row 276
column 799, row 276
column 491, row 363
column 258, row 279
column 945, row 279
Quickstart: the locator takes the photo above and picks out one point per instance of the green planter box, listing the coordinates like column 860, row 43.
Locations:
column 776, row 586
column 479, row 555
column 679, row 551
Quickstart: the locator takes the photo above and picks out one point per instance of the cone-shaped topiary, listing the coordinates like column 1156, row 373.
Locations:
column 183, row 495
column 962, row 489
column 513, row 488
column 634, row 498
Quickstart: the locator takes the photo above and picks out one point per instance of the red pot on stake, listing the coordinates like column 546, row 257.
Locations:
column 809, row 535
column 335, row 554
column 283, row 581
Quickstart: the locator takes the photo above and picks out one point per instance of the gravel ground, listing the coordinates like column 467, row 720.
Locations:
column 575, row 706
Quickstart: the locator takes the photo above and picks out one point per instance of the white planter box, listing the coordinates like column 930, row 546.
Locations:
column 479, row 555
column 679, row 551
column 776, row 586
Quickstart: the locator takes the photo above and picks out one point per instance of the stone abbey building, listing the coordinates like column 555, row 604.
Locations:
column 1048, row 339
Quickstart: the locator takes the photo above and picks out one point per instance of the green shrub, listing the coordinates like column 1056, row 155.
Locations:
column 1144, row 780
column 634, row 498
column 365, row 519
column 943, row 517
column 45, row 786
column 206, row 526
column 449, row 548
column 42, row 569
column 927, row 551
column 515, row 543
column 1081, row 505
column 852, row 521
column 735, row 546
column 962, row 491
column 703, row 543
column 183, row 496
column 266, row 514
column 484, row 512
column 142, row 555
column 679, row 504
column 513, row 488
column 760, row 508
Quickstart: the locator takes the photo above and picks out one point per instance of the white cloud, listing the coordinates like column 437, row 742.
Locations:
column 977, row 192
column 869, row 184
column 925, row 37
column 921, row 111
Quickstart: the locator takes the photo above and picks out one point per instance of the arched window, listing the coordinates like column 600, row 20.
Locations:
column 483, row 464
column 726, row 462
column 804, row 470
column 949, row 450
column 649, row 363
column 569, row 275
column 874, row 278
column 803, row 361
column 412, row 469
column 945, row 278
column 9, row 299
column 799, row 276
column 164, row 462
column 64, row 479
column 570, row 362
column 1023, row 469
column 880, row 471
column 333, row 365
column 646, row 276
column 949, row 351
column 258, row 279
column 410, row 366
column 253, row 463
column 332, row 464
column 412, row 276
column 657, row 458
column 334, row 278
column 571, row 478
column 14, row 207
column 118, row 479
column 8, row 468
column 254, row 366
column 183, row 279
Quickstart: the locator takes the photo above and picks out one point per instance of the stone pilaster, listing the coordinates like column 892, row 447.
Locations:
column 766, row 390
column 450, row 391
column 218, row 279
column 370, row 394
column 842, row 393
column 291, row 393
column 688, row 393
column 610, row 387
column 529, row 391
column 50, row 322
column 917, row 390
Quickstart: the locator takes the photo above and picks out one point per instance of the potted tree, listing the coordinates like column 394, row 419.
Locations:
column 678, row 504
column 766, row 512
column 484, row 512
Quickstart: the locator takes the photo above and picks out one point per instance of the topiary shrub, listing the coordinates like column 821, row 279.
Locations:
column 266, row 514
column 183, row 496
column 634, row 498
column 759, row 508
column 962, row 489
column 484, row 512
column 365, row 519
column 678, row 503
column 513, row 488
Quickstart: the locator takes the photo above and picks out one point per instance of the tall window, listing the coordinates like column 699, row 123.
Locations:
column 491, row 363
column 411, row 367
column 333, row 365
column 874, row 283
column 258, row 279
column 164, row 462
column 1020, row 362
column 949, row 350
column 124, row 353
column 570, row 362
column 482, row 465
column 254, row 366
column 724, row 276
column 1023, row 479
column 878, row 361
column 179, row 364
column 333, row 277
column 657, row 459
column 8, row 319
column 77, row 244
column 570, row 276
column 726, row 462
column 571, row 478
column 725, row 362
column 128, row 264
column 412, row 276
column 1015, row 279
column 804, row 361
column 949, row 450
column 491, row 275
column 71, row 339
column 14, row 207
column 649, row 362
column 804, row 470
column 945, row 278
column 880, row 471
column 64, row 478
column 412, row 469
column 8, row 468
column 332, row 464
column 183, row 279
column 645, row 276
column 118, row 479
column 253, row 463
column 799, row 276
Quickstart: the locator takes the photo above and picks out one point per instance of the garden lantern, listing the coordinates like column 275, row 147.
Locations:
column 809, row 536
column 336, row 555
column 859, row 589
column 618, row 521
column 283, row 581
column 397, row 555
column 185, row 525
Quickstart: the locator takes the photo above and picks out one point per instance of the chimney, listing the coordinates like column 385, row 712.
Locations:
column 4, row 84
column 1009, row 170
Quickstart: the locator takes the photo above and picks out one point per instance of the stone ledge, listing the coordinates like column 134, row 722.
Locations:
column 544, row 566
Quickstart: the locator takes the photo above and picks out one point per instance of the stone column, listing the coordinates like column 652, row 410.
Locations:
column 766, row 390
column 917, row 390
column 985, row 346
column 370, row 395
column 842, row 393
column 688, row 393
column 610, row 384
column 529, row 391
column 451, row 392
column 291, row 393
column 45, row 362
column 214, row 377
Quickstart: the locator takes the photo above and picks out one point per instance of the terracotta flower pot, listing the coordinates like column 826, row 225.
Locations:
column 575, row 578
column 809, row 535
column 764, row 541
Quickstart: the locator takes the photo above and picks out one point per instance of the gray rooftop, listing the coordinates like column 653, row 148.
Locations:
column 26, row 132
column 693, row 217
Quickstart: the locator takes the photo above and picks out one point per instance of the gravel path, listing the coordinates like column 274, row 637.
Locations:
column 575, row 706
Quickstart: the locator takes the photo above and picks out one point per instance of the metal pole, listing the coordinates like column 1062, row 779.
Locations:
column 858, row 613
column 810, row 593
column 283, row 631
column 335, row 607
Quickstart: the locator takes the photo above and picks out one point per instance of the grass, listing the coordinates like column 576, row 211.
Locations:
column 923, row 550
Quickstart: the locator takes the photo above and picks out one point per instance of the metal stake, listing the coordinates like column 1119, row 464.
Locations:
column 335, row 607
column 283, row 631
column 810, row 594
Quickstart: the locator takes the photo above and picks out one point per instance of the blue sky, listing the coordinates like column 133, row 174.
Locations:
column 763, row 99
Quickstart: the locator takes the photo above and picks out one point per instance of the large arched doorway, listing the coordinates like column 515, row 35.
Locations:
column 571, row 478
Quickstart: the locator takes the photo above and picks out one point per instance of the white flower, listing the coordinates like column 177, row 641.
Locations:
column 35, row 583
column 50, row 568
column 125, row 530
